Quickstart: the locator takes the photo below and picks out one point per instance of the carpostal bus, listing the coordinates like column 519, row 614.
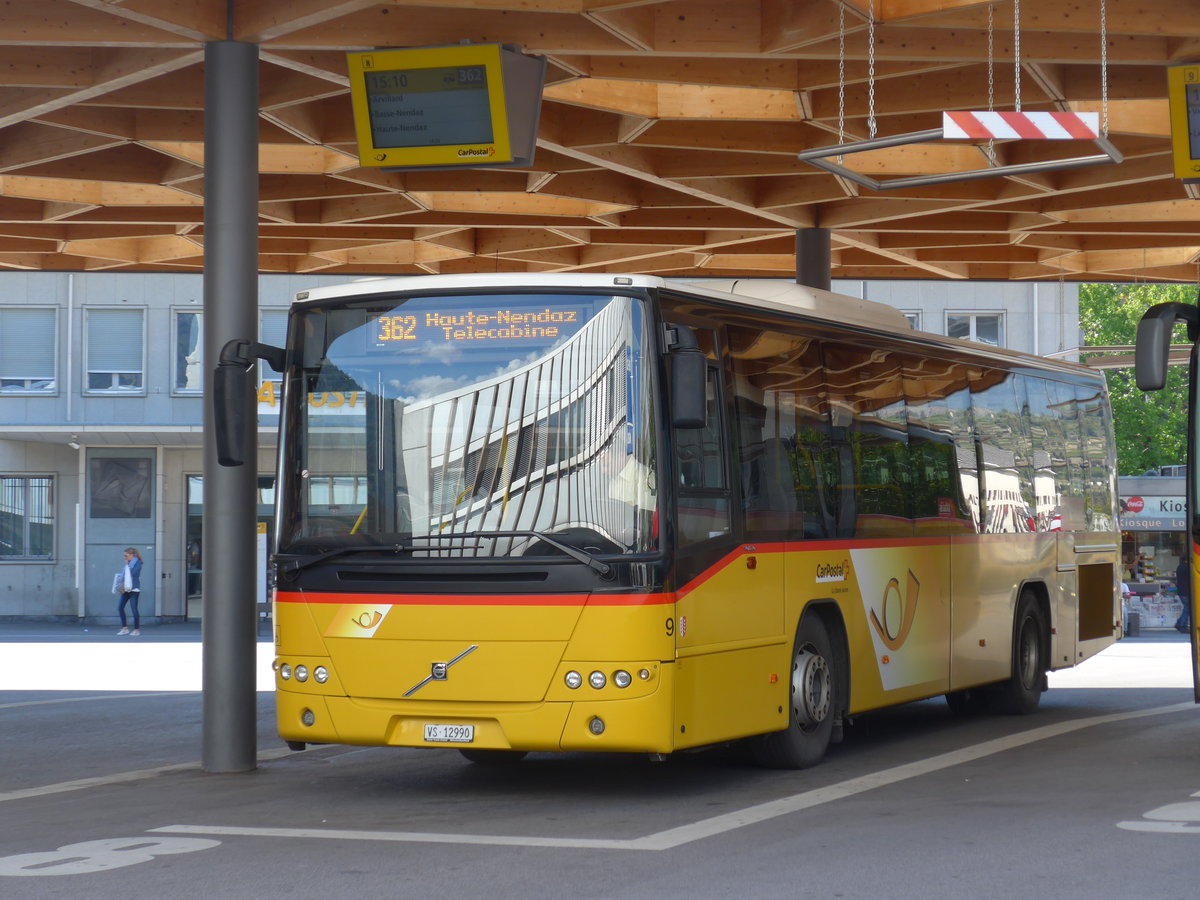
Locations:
column 611, row 513
column 1152, row 357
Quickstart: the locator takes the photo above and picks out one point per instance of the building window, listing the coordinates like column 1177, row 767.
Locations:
column 115, row 350
column 986, row 328
column 914, row 318
column 272, row 331
column 26, row 517
column 189, row 353
column 28, row 349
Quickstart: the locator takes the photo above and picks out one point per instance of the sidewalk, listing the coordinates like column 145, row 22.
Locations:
column 54, row 632
column 42, row 656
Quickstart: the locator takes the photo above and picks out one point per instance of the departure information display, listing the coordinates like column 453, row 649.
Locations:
column 419, row 107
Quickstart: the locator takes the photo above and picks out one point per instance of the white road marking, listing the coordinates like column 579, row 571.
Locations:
column 118, row 778
column 1174, row 818
column 89, row 698
column 716, row 825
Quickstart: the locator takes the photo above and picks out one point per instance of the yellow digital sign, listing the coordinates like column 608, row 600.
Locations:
column 476, row 325
column 446, row 107
column 1183, row 89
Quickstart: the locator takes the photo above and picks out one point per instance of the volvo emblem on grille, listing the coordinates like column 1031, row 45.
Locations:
column 439, row 671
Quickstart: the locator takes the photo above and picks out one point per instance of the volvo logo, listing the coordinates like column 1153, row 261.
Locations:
column 439, row 671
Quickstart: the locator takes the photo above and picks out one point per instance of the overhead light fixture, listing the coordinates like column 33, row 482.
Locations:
column 73, row 443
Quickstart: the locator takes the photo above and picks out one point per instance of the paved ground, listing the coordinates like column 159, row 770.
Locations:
column 101, row 796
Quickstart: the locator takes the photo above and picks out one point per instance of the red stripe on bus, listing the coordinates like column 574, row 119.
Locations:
column 647, row 599
column 475, row 599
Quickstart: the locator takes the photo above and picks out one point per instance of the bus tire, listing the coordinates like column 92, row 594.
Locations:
column 813, row 703
column 967, row 702
column 493, row 757
column 1022, row 693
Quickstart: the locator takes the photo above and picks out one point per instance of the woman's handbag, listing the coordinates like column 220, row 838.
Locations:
column 118, row 587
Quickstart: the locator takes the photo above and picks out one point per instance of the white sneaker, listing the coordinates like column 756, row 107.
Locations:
column 123, row 631
column 135, row 632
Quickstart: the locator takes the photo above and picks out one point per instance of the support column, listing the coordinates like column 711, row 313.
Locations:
column 230, row 704
column 814, row 257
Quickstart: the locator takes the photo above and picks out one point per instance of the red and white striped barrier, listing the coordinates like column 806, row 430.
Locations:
column 1055, row 126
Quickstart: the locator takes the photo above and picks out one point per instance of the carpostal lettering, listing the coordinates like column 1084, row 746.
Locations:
column 827, row 572
column 471, row 152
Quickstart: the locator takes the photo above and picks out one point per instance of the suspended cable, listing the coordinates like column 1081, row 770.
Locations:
column 871, row 69
column 1017, row 55
column 1104, row 68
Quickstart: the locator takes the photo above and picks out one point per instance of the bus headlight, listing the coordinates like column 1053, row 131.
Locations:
column 285, row 672
column 321, row 674
column 574, row 680
column 597, row 680
column 302, row 673
column 622, row 679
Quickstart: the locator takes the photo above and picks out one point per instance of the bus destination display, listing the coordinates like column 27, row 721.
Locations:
column 487, row 325
column 444, row 105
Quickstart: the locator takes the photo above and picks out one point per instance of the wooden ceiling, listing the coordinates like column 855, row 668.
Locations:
column 667, row 143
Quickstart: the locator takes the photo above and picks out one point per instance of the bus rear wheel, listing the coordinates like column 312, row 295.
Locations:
column 1022, row 693
column 813, row 703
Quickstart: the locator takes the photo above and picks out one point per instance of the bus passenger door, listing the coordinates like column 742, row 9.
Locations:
column 729, row 607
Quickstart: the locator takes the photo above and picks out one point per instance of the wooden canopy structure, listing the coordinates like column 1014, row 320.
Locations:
column 667, row 142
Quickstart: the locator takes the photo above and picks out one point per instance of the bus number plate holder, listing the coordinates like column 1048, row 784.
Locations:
column 440, row 733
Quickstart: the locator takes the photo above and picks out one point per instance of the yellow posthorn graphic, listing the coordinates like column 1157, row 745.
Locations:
column 908, row 606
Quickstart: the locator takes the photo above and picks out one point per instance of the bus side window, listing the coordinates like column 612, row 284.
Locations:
column 782, row 434
column 1100, row 465
column 700, row 463
column 997, row 405
column 945, row 495
column 868, row 410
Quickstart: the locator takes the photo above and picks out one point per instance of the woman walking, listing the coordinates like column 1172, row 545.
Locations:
column 132, row 593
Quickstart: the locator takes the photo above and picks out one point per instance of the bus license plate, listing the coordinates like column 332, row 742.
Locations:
column 449, row 734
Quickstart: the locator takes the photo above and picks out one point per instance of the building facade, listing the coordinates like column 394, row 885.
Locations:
column 101, row 421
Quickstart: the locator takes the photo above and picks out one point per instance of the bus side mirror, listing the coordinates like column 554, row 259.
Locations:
column 689, row 377
column 1154, row 341
column 231, row 387
column 231, row 382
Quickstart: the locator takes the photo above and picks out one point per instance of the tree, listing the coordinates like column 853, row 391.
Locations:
column 1151, row 428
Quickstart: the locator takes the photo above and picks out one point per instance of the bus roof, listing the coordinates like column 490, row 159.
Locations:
column 770, row 294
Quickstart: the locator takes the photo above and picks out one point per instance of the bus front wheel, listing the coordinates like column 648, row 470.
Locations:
column 812, row 706
column 1022, row 693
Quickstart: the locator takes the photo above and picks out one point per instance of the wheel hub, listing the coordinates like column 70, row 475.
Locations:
column 811, row 688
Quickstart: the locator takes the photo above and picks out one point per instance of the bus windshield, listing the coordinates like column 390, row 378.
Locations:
column 482, row 425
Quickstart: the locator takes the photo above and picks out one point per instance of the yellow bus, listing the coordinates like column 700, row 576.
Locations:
column 613, row 513
column 1154, row 352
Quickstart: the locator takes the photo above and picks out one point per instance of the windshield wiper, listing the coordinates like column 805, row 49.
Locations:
column 574, row 552
column 295, row 565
